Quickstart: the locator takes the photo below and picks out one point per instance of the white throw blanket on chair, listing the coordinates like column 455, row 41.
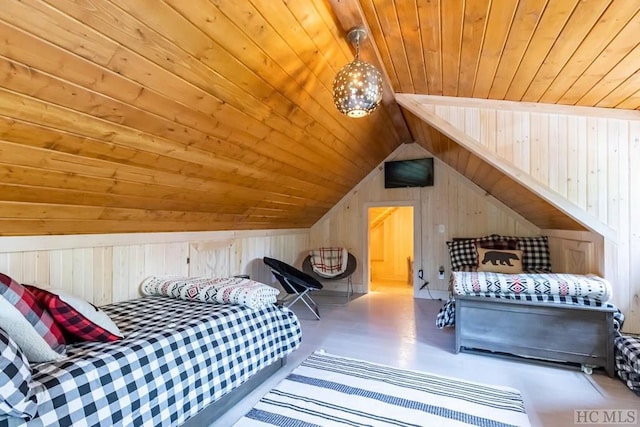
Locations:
column 329, row 262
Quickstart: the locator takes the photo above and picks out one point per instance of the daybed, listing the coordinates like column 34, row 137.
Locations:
column 180, row 361
column 527, row 310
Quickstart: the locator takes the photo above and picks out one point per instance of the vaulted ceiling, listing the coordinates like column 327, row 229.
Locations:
column 150, row 115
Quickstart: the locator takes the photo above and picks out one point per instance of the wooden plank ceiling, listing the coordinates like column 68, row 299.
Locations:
column 571, row 52
column 132, row 116
column 173, row 115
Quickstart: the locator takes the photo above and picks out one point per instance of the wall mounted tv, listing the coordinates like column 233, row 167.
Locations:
column 408, row 173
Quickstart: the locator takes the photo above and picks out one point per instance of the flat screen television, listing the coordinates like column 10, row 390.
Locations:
column 408, row 173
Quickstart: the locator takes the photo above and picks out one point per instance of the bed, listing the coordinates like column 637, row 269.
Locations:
column 180, row 363
column 526, row 310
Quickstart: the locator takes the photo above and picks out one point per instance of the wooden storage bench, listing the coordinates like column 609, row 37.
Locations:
column 547, row 331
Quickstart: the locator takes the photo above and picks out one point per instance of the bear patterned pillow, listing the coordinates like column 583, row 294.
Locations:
column 500, row 261
column 81, row 320
column 28, row 323
column 16, row 398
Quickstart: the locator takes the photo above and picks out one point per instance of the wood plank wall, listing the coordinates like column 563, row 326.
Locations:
column 453, row 202
column 590, row 157
column 109, row 268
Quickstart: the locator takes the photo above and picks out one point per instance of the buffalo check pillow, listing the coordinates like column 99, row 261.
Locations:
column 535, row 255
column 28, row 323
column 81, row 320
column 463, row 253
column 16, row 398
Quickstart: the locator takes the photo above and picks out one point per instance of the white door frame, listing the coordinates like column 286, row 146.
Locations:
column 417, row 239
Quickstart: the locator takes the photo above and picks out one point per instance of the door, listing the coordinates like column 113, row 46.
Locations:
column 391, row 248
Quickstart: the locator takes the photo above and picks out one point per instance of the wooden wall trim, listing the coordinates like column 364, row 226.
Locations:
column 525, row 106
column 412, row 103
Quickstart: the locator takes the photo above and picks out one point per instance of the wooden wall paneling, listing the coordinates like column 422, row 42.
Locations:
column 103, row 274
column 82, row 278
column 538, row 151
column 472, row 122
column 488, row 129
column 575, row 252
column 559, row 159
column 123, row 261
column 602, row 155
column 616, row 169
column 629, row 253
column 211, row 259
column 456, row 203
column 592, row 166
column 598, row 150
column 61, row 269
column 524, row 127
column 582, row 181
column 505, row 137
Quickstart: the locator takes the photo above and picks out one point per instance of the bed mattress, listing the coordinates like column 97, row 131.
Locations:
column 177, row 357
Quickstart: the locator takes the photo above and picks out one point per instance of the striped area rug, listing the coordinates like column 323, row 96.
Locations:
column 328, row 390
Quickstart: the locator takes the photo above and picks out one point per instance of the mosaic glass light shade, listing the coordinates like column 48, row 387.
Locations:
column 357, row 88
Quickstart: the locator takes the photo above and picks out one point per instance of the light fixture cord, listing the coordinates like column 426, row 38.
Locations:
column 357, row 46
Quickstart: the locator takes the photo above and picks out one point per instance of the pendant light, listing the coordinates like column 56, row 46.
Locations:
column 357, row 88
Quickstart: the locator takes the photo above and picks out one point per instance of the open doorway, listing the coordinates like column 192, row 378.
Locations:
column 391, row 248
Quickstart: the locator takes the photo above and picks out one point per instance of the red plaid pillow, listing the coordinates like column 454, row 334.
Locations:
column 80, row 319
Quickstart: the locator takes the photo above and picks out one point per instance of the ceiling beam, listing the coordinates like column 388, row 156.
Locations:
column 349, row 15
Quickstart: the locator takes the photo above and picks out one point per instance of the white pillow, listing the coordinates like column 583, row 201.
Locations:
column 34, row 347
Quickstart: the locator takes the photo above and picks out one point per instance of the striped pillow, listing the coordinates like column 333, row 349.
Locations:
column 28, row 324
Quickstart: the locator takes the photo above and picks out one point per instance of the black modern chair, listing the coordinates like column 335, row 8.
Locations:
column 296, row 284
column 352, row 264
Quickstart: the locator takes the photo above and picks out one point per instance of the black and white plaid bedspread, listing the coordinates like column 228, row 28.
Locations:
column 627, row 351
column 177, row 357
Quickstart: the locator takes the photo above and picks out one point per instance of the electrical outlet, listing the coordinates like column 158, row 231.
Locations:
column 441, row 273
